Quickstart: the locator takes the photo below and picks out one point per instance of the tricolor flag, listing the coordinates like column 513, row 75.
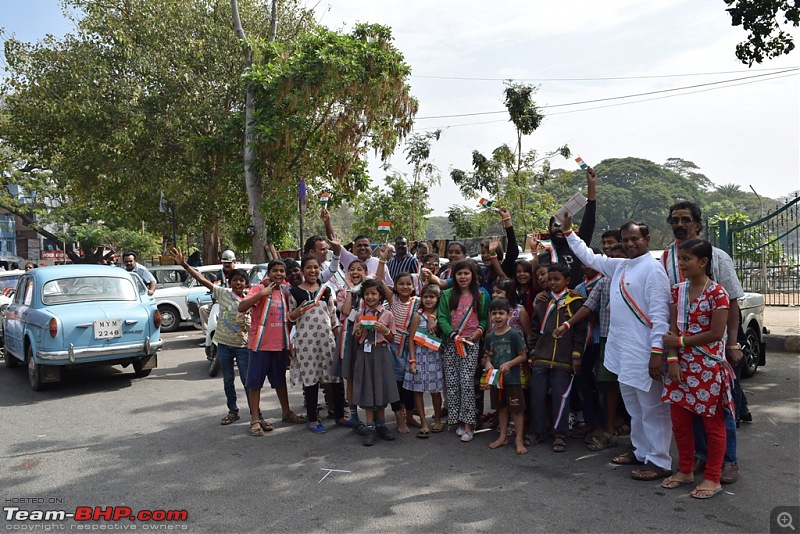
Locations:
column 485, row 203
column 460, row 342
column 324, row 198
column 310, row 304
column 369, row 321
column 495, row 378
column 581, row 163
column 384, row 227
column 426, row 339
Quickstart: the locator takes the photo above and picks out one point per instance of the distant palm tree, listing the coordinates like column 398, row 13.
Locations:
column 730, row 191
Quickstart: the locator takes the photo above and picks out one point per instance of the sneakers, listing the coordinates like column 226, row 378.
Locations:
column 460, row 430
column 319, row 428
column 384, row 433
column 370, row 436
column 467, row 436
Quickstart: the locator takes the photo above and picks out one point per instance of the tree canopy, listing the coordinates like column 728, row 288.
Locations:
column 766, row 38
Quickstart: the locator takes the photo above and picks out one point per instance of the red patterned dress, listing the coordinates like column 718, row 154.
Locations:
column 706, row 374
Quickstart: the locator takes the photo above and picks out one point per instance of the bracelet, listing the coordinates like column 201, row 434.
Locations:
column 412, row 361
column 506, row 217
column 381, row 260
column 493, row 255
column 672, row 359
column 682, row 341
column 566, row 325
column 569, row 232
column 733, row 347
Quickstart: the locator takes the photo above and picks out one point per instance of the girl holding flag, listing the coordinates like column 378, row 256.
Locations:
column 313, row 310
column 349, row 303
column 425, row 362
column 462, row 318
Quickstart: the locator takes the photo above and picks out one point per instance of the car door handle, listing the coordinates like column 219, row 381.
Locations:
column 131, row 321
column 83, row 325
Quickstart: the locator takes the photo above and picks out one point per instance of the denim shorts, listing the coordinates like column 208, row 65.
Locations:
column 267, row 365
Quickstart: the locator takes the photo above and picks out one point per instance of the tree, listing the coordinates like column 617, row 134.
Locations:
column 761, row 18
column 320, row 103
column 511, row 176
column 141, row 98
column 393, row 203
column 688, row 170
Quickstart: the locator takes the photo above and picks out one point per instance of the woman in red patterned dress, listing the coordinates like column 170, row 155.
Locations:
column 698, row 380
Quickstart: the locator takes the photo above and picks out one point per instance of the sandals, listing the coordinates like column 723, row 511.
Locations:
column 627, row 458
column 671, row 483
column 232, row 417
column 605, row 441
column 265, row 425
column 559, row 444
column 698, row 493
column 424, row 433
column 291, row 417
column 255, row 429
column 650, row 472
column 623, row 430
column 437, row 427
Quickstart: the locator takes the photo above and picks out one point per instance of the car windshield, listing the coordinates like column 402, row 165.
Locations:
column 9, row 281
column 86, row 289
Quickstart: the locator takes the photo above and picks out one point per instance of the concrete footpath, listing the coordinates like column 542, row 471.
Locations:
column 783, row 323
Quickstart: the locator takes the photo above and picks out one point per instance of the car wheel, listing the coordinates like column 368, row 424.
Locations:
column 213, row 366
column 752, row 353
column 34, row 371
column 11, row 360
column 138, row 364
column 170, row 318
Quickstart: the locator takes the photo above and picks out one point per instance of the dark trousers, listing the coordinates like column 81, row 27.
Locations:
column 557, row 381
column 311, row 396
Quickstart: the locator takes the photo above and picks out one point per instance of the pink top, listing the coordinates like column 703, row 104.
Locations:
column 457, row 315
column 274, row 334
column 385, row 317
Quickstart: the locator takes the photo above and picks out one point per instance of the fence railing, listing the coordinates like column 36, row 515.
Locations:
column 766, row 253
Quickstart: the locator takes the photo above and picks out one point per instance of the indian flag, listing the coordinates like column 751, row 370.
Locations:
column 384, row 227
column 426, row 339
column 495, row 378
column 581, row 163
column 324, row 198
column 485, row 203
column 369, row 321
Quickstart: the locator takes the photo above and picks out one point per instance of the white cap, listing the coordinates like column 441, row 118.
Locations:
column 228, row 256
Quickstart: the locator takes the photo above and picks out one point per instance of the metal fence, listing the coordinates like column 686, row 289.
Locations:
column 766, row 253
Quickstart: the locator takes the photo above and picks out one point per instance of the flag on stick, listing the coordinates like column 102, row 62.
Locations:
column 384, row 228
column 460, row 348
column 495, row 378
column 368, row 322
column 485, row 203
column 581, row 163
column 324, row 198
column 424, row 338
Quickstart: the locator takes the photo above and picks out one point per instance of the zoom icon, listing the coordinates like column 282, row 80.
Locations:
column 784, row 519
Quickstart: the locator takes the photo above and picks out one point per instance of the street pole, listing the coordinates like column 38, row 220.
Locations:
column 763, row 244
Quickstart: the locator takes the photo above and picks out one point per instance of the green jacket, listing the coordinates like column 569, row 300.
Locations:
column 444, row 313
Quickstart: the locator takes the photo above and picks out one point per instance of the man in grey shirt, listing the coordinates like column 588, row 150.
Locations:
column 129, row 262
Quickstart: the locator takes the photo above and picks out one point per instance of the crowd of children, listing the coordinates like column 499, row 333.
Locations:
column 537, row 345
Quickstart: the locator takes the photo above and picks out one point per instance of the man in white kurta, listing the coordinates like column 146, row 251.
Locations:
column 639, row 306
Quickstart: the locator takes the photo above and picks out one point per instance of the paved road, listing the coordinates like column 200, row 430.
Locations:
column 105, row 438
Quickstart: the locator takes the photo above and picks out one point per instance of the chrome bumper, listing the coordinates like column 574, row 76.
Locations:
column 134, row 349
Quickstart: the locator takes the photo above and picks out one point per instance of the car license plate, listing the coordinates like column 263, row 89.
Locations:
column 108, row 329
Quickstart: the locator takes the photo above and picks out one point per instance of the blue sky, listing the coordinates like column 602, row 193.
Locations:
column 747, row 134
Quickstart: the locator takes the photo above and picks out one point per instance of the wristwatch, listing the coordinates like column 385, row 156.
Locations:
column 733, row 347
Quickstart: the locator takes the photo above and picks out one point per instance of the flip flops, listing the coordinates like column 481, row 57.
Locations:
column 627, row 458
column 424, row 433
column 650, row 472
column 708, row 493
column 437, row 427
column 670, row 483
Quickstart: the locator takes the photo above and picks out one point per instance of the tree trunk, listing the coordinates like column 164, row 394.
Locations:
column 252, row 179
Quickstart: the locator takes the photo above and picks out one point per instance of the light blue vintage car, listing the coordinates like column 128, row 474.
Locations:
column 80, row 315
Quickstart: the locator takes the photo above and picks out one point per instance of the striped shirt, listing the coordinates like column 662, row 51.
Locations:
column 406, row 264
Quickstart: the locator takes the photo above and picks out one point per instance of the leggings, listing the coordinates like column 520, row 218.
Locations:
column 460, row 383
column 311, row 395
column 684, row 438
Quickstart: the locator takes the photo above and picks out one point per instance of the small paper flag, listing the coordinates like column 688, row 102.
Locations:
column 324, row 198
column 460, row 348
column 368, row 322
column 384, row 227
column 425, row 339
column 495, row 378
column 485, row 203
column 581, row 163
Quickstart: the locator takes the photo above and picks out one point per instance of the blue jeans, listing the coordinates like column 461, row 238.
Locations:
column 739, row 398
column 701, row 446
column 226, row 355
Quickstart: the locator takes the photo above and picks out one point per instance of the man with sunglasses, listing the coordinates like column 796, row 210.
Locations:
column 686, row 220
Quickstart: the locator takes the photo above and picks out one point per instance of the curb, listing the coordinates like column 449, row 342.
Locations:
column 782, row 343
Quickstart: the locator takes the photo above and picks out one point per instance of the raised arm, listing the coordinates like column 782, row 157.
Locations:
column 589, row 219
column 599, row 263
column 512, row 252
column 180, row 259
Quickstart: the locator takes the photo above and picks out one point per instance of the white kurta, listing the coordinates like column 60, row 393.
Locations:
column 629, row 341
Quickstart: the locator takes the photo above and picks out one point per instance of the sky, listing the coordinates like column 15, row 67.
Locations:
column 742, row 129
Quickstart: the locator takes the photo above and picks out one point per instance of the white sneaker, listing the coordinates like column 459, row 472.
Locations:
column 467, row 437
column 460, row 430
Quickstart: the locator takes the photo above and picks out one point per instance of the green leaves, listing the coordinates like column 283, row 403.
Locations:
column 766, row 37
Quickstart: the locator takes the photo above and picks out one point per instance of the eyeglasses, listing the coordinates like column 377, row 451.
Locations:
column 684, row 220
